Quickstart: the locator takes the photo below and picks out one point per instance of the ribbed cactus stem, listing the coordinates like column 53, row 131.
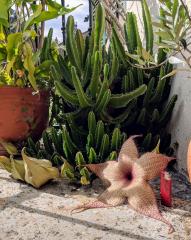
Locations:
column 71, row 45
column 121, row 100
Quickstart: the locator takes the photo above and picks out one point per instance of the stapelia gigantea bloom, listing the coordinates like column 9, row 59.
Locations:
column 127, row 180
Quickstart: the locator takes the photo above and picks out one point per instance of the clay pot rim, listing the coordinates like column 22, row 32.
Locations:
column 24, row 90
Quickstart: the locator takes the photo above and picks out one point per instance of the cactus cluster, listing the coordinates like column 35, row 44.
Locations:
column 101, row 97
column 87, row 80
column 107, row 82
column 62, row 148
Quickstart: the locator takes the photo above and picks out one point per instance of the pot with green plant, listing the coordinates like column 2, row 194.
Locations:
column 25, row 60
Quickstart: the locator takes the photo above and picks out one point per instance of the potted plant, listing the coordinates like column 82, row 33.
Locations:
column 25, row 59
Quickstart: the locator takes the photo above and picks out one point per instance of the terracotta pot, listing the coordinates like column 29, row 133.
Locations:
column 22, row 113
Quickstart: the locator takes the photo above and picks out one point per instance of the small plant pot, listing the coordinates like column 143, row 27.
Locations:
column 22, row 114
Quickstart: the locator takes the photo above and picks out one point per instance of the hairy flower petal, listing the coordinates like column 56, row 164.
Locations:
column 112, row 196
column 142, row 198
column 127, row 179
column 129, row 149
column 152, row 164
column 109, row 198
column 88, row 205
column 108, row 172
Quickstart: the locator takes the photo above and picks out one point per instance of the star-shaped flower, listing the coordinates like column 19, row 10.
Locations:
column 127, row 179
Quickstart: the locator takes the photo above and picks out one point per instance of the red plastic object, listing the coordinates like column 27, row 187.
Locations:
column 22, row 113
column 166, row 189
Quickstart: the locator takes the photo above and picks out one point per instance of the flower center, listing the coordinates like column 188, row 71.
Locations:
column 129, row 176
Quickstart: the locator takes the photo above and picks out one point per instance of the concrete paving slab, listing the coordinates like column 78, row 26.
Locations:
column 30, row 214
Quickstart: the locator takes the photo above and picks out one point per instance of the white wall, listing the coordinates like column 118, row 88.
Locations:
column 180, row 126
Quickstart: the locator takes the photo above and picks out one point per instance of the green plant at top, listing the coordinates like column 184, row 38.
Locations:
column 25, row 54
column 174, row 28
column 108, row 82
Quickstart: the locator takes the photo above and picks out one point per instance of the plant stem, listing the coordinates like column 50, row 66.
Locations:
column 18, row 21
column 36, row 30
column 116, row 20
column 186, row 60
column 186, row 9
column 28, row 15
column 23, row 10
column 41, row 40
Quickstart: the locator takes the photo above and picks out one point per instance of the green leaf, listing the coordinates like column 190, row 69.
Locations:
column 83, row 99
column 104, row 102
column 29, row 65
column 116, row 139
column 175, row 8
column 157, row 148
column 92, row 158
column 41, row 16
column 95, row 74
column 67, row 171
column 99, row 29
column 119, row 46
column 4, row 12
column 121, row 100
column 80, row 45
column 164, row 35
column 148, row 26
column 91, row 123
column 79, row 159
column 9, row 147
column 67, row 94
column 132, row 33
column 85, row 179
column 13, row 42
column 71, row 45
column 68, row 140
column 172, row 73
column 99, row 133
column 32, row 18
column 104, row 148
column 112, row 156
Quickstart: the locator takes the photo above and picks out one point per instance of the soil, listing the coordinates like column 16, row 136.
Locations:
column 30, row 214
